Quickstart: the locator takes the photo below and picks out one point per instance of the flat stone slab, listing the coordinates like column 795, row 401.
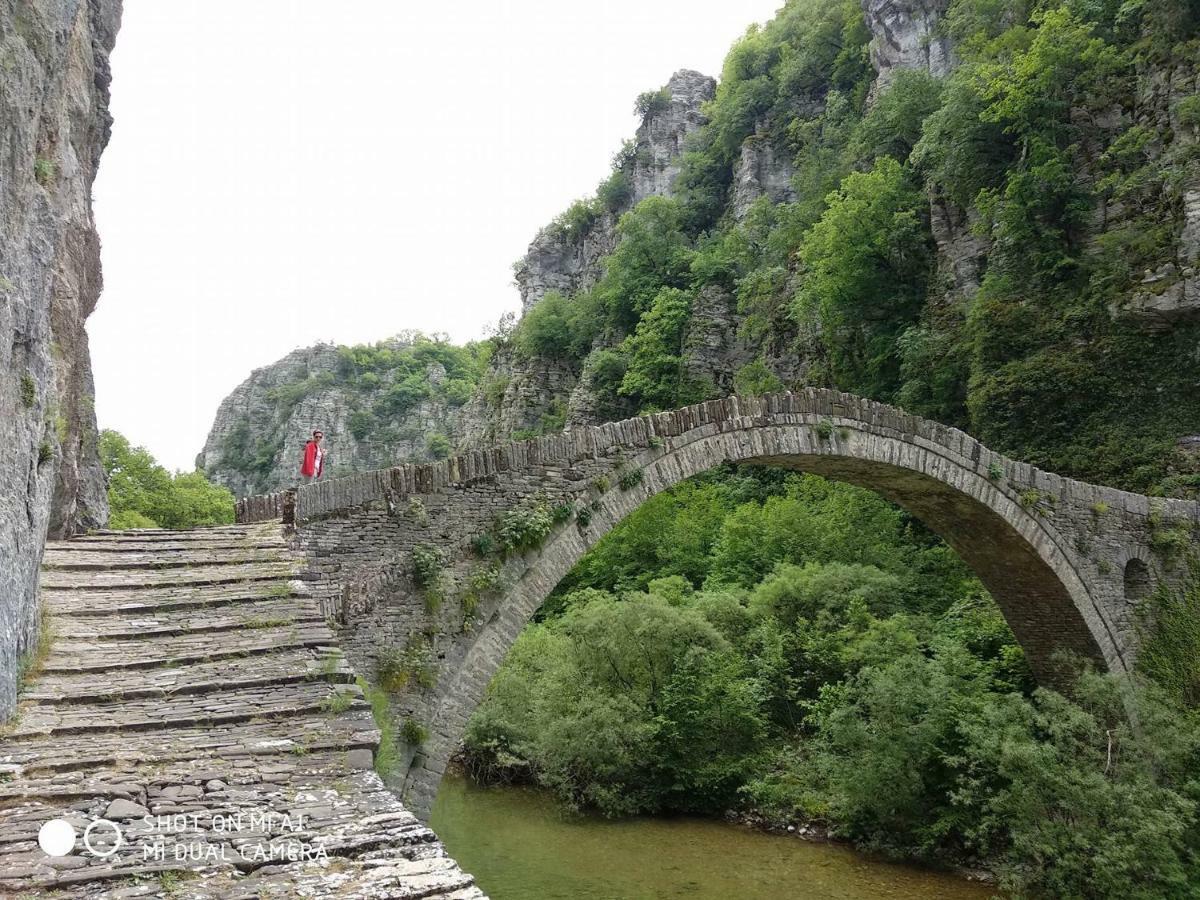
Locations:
column 210, row 574
column 86, row 602
column 195, row 700
column 252, row 614
column 80, row 655
column 153, row 558
column 280, row 667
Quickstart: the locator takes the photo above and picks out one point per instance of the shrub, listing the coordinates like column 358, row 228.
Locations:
column 437, row 445
column 1188, row 110
column 1171, row 542
column 397, row 669
column 754, row 379
column 651, row 103
column 615, row 191
column 28, row 390
column 361, row 423
column 525, row 526
column 44, row 171
column 413, row 732
column 425, row 565
column 630, row 479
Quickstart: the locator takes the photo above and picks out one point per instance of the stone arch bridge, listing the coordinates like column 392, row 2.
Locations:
column 394, row 555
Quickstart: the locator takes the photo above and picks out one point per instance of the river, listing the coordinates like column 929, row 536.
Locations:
column 519, row 845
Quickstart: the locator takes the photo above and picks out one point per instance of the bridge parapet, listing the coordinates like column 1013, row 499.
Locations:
column 399, row 557
column 587, row 442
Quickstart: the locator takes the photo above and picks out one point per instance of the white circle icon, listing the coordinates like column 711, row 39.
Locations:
column 87, row 838
column 57, row 837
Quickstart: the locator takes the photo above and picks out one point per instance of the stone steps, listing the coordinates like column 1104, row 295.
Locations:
column 192, row 678
column 101, row 752
column 168, row 577
column 282, row 667
column 215, row 707
column 123, row 560
column 174, row 650
column 84, row 602
column 268, row 530
column 252, row 614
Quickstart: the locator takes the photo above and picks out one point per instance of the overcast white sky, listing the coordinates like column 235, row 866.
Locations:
column 287, row 172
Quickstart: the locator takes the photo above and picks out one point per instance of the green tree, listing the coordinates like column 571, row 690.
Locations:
column 866, row 266
column 142, row 494
column 654, row 376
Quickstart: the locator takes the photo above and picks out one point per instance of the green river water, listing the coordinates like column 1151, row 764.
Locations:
column 519, row 845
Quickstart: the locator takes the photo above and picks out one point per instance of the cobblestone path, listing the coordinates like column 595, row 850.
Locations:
column 193, row 697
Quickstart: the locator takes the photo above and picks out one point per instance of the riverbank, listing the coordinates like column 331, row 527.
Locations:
column 520, row 844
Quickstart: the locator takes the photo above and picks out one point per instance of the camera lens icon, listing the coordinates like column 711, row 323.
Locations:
column 57, row 838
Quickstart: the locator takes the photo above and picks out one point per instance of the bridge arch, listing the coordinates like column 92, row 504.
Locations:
column 1050, row 550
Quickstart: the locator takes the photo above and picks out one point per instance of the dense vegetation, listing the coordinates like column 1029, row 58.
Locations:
column 1054, row 137
column 142, row 494
column 802, row 651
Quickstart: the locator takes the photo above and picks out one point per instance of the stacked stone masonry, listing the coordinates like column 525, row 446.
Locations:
column 192, row 679
column 1066, row 561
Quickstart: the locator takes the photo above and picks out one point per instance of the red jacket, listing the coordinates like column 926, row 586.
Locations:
column 311, row 467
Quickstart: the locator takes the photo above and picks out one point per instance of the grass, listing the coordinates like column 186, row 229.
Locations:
column 34, row 661
column 44, row 171
column 387, row 757
column 396, row 669
column 338, row 703
column 267, row 622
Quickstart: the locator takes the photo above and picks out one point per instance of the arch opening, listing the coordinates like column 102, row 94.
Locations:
column 1137, row 581
column 1009, row 547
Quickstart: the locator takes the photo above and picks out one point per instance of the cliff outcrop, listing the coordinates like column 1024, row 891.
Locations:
column 54, row 110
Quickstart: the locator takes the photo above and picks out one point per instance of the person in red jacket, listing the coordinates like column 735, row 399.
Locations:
column 314, row 458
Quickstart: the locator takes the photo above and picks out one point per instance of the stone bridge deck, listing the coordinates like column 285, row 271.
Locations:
column 190, row 676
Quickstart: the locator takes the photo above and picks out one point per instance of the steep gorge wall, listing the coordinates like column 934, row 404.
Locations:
column 54, row 79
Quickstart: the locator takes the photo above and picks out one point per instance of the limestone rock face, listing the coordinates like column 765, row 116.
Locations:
column 660, row 140
column 517, row 396
column 54, row 79
column 556, row 261
column 712, row 350
column 906, row 36
column 559, row 260
column 258, row 436
column 762, row 171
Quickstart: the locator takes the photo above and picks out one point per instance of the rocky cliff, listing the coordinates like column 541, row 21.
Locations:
column 400, row 400
column 54, row 79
